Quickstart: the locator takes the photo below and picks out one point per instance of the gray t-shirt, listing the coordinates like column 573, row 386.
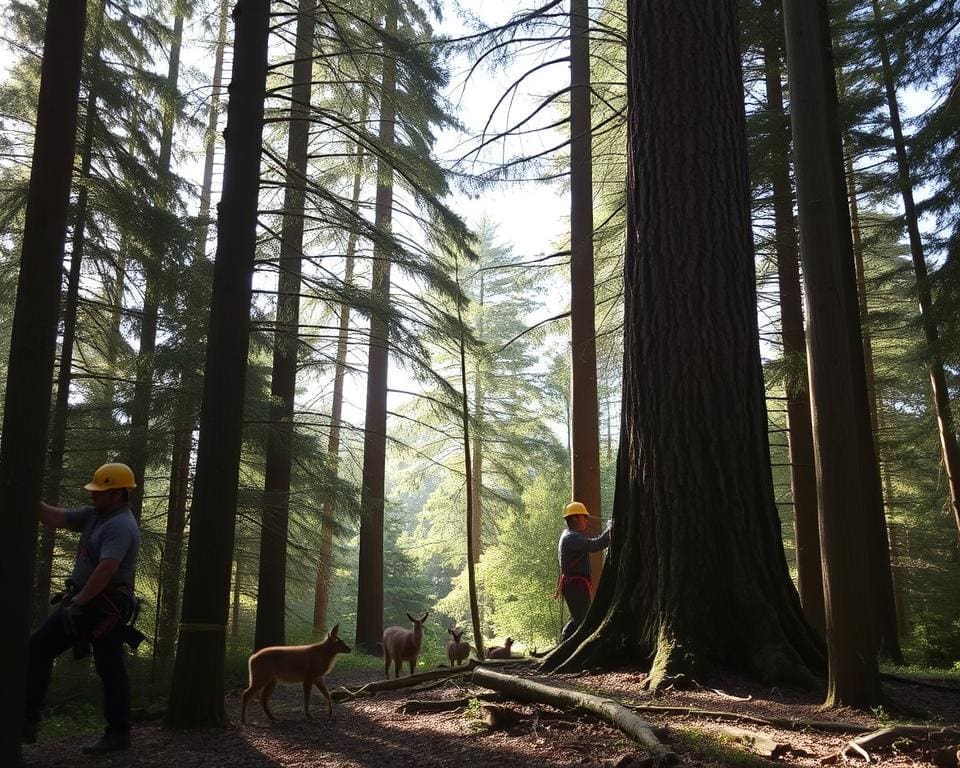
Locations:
column 574, row 549
column 115, row 537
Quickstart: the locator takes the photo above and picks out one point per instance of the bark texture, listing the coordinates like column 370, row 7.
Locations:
column 697, row 576
column 196, row 694
column 33, row 344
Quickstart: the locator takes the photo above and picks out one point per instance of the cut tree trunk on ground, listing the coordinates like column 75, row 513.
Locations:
column 608, row 710
column 759, row 743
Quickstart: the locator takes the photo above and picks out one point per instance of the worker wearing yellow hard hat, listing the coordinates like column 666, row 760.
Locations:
column 574, row 553
column 96, row 610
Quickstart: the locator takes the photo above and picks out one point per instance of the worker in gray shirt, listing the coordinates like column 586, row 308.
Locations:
column 574, row 552
column 96, row 605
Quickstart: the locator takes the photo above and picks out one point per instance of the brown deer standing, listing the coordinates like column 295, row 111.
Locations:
column 307, row 664
column 400, row 645
column 457, row 650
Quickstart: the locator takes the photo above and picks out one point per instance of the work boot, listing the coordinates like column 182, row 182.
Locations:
column 28, row 735
column 109, row 742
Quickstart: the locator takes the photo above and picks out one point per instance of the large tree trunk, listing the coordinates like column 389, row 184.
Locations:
column 58, row 428
column 697, row 577
column 272, row 579
column 33, row 343
column 321, row 594
column 187, row 401
column 196, row 694
column 835, row 356
column 803, row 478
column 585, row 438
column 370, row 581
column 938, row 381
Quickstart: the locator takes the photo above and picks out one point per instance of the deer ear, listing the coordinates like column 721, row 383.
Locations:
column 451, row 632
column 335, row 631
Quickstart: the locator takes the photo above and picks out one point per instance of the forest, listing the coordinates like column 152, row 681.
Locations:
column 365, row 295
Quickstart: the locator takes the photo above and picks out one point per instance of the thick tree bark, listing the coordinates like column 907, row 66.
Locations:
column 938, row 382
column 803, row 478
column 272, row 579
column 697, row 577
column 321, row 593
column 370, row 581
column 196, row 694
column 33, row 343
column 58, row 427
column 834, row 355
column 585, row 438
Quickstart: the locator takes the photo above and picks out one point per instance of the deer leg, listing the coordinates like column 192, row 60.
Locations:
column 307, row 685
column 322, row 685
column 397, row 664
column 386, row 665
column 265, row 699
column 413, row 663
column 244, row 700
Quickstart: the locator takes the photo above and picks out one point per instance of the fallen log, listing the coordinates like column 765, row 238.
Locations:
column 827, row 726
column 341, row 693
column 416, row 706
column 606, row 709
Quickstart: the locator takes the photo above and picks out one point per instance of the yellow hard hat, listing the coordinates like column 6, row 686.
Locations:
column 574, row 508
column 110, row 476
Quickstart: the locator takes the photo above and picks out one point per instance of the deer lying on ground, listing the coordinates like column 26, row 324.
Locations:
column 400, row 645
column 457, row 650
column 307, row 664
column 500, row 651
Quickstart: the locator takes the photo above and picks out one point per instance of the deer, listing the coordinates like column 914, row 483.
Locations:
column 401, row 645
column 500, row 651
column 307, row 664
column 457, row 650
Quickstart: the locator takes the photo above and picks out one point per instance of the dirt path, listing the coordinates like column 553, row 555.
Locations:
column 371, row 732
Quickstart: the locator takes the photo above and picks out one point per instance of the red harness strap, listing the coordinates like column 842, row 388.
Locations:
column 564, row 579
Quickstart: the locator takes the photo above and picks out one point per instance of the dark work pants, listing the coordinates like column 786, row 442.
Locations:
column 576, row 595
column 49, row 640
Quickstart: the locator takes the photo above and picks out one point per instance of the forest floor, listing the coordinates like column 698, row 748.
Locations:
column 372, row 731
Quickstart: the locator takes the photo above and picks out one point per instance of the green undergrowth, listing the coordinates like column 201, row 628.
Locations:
column 948, row 674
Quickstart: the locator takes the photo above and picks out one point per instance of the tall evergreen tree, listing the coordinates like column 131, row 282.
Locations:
column 693, row 474
column 33, row 339
column 370, row 583
column 834, row 354
column 585, row 438
column 196, row 694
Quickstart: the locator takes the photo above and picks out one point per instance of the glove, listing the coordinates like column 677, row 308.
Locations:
column 72, row 618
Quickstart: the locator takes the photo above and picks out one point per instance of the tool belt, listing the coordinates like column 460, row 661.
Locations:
column 565, row 581
column 115, row 609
